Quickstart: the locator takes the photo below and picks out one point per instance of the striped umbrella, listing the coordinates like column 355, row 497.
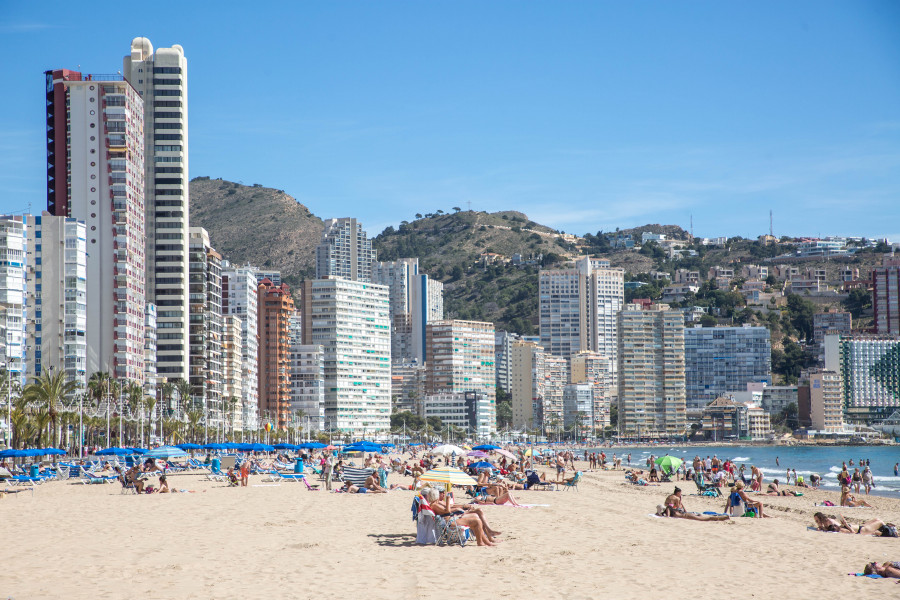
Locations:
column 449, row 476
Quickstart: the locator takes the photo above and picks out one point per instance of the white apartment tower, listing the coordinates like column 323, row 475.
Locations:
column 416, row 300
column 240, row 298
column 307, row 365
column 160, row 78
column 13, row 296
column 578, row 308
column 345, row 252
column 57, row 296
column 351, row 321
column 205, row 324
column 95, row 174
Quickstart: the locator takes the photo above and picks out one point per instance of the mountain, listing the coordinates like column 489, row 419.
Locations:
column 263, row 226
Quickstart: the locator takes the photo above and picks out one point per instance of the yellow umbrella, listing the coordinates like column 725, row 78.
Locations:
column 449, row 476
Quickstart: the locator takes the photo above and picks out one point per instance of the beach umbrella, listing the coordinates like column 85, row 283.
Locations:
column 448, row 476
column 482, row 464
column 53, row 451
column 362, row 447
column 669, row 464
column 486, row 447
column 12, row 453
column 448, row 449
column 284, row 446
column 505, row 453
column 137, row 450
column 257, row 447
column 188, row 446
column 416, row 444
column 477, row 454
column 311, row 446
column 166, row 453
column 113, row 451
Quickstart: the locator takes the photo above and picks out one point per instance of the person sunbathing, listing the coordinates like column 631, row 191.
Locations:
column 132, row 476
column 870, row 527
column 754, row 505
column 472, row 517
column 353, row 489
column 774, row 491
column 484, row 477
column 372, row 485
column 889, row 569
column 848, row 499
column 674, row 507
column 498, row 495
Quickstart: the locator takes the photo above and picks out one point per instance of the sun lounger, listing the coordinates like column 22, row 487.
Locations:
column 24, row 480
column 572, row 484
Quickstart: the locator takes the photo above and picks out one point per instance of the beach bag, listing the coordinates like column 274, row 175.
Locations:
column 828, row 503
column 888, row 530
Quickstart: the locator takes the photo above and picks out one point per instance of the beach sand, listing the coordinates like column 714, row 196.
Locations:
column 282, row 541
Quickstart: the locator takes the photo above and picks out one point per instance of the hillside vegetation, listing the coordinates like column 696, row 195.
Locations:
column 263, row 226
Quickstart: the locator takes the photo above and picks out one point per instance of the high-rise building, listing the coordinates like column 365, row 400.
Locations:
column 240, row 298
column 651, row 372
column 720, row 360
column 345, row 252
column 526, row 374
column 830, row 322
column 869, row 369
column 95, row 174
column 13, row 243
column 595, row 369
column 578, row 403
column 578, row 308
column 151, row 334
column 276, row 307
column 416, row 300
column 232, row 371
column 205, row 326
column 825, row 401
column 308, row 386
column 551, row 402
column 57, row 296
column 472, row 411
column 503, row 341
column 886, row 296
column 460, row 358
column 407, row 386
column 351, row 321
column 160, row 78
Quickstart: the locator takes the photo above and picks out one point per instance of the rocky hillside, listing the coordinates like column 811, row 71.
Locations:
column 255, row 224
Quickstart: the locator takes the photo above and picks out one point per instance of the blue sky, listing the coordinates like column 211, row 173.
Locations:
column 584, row 115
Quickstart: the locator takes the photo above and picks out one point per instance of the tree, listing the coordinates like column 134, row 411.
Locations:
column 456, row 209
column 185, row 392
column 857, row 301
column 418, row 215
column 708, row 321
column 48, row 390
column 407, row 419
column 800, row 313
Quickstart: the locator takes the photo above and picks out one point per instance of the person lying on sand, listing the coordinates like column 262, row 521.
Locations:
column 472, row 517
column 498, row 495
column 774, row 491
column 674, row 507
column 890, row 569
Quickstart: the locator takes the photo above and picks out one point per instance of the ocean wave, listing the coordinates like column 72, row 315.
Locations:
column 740, row 459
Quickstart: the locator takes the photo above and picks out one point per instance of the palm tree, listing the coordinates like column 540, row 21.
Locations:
column 150, row 403
column 232, row 406
column 185, row 391
column 168, row 388
column 193, row 420
column 48, row 390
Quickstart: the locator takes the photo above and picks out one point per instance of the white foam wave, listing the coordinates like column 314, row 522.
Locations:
column 740, row 459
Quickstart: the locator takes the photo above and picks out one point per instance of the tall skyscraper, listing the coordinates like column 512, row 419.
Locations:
column 307, row 380
column 276, row 307
column 869, row 370
column 205, row 326
column 232, row 371
column 719, row 360
column 651, row 372
column 95, row 174
column 526, row 381
column 351, row 321
column 578, row 308
column 240, row 298
column 13, row 242
column 160, row 78
column 345, row 252
column 57, row 296
column 416, row 300
column 595, row 369
column 886, row 296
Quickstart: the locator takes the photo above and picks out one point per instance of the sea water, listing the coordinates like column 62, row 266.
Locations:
column 823, row 460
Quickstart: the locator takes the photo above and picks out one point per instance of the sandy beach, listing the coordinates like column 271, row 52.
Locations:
column 282, row 541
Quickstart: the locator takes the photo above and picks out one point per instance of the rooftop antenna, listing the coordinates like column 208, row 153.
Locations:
column 771, row 229
column 692, row 225
column 469, row 205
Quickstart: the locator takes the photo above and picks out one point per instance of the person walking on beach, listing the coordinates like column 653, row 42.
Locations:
column 868, row 480
column 245, row 473
column 328, row 471
column 896, row 469
column 777, row 464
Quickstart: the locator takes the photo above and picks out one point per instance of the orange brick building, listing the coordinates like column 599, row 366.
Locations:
column 275, row 309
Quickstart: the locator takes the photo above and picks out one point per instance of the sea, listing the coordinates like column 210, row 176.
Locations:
column 824, row 460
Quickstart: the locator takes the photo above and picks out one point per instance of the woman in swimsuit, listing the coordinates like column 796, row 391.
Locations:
column 826, row 523
column 885, row 569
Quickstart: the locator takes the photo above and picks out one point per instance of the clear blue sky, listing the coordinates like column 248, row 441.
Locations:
column 584, row 115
